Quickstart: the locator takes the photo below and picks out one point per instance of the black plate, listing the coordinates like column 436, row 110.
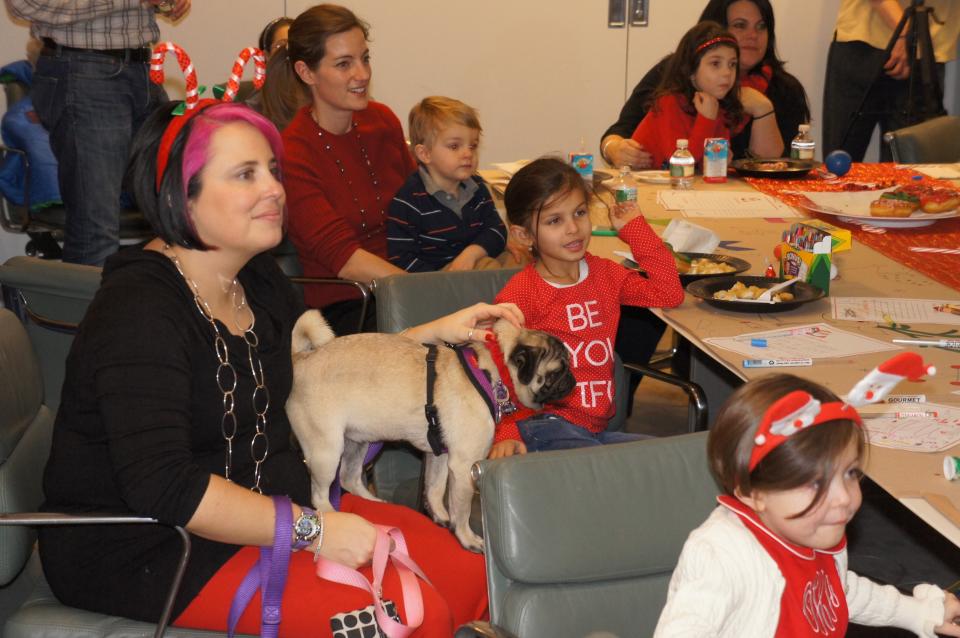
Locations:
column 783, row 168
column 739, row 266
column 704, row 289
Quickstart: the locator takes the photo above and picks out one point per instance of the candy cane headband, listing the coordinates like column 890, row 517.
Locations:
column 192, row 102
column 798, row 410
column 717, row 40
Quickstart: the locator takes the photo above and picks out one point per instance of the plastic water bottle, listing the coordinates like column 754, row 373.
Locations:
column 681, row 167
column 803, row 147
column 625, row 192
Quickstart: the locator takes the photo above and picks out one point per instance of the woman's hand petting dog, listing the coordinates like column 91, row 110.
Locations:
column 348, row 539
column 469, row 324
column 507, row 447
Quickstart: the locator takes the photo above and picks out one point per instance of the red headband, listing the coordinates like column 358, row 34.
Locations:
column 716, row 40
column 192, row 103
column 798, row 410
column 170, row 135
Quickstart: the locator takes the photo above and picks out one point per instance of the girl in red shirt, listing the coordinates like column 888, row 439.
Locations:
column 576, row 297
column 700, row 97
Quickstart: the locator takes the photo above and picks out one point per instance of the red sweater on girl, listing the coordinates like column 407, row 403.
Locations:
column 667, row 122
column 585, row 316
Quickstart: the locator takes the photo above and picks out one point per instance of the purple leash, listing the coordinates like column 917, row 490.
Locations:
column 336, row 491
column 268, row 574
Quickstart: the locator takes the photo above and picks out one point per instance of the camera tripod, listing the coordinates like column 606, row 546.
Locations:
column 924, row 94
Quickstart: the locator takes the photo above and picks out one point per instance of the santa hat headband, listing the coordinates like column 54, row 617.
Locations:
column 798, row 410
column 192, row 102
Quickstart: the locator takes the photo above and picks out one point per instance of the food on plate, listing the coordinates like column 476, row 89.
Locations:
column 933, row 199
column 867, row 186
column 703, row 266
column 770, row 166
column 887, row 207
column 740, row 291
column 895, row 204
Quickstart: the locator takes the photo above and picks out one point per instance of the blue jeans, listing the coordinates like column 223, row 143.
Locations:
column 92, row 104
column 546, row 432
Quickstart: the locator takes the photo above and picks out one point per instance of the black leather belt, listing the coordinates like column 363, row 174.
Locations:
column 142, row 55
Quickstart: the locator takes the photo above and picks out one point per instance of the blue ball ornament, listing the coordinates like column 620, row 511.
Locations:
column 838, row 162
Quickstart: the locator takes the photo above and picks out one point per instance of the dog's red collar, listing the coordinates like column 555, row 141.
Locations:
column 520, row 411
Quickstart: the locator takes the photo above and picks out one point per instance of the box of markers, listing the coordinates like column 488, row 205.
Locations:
column 840, row 239
column 807, row 252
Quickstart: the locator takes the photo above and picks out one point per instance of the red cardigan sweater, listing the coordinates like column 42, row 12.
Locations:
column 324, row 206
column 585, row 317
column 667, row 122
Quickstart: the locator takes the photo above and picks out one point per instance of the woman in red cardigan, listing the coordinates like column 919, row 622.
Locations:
column 698, row 98
column 345, row 158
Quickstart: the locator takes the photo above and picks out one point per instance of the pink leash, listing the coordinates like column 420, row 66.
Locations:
column 406, row 569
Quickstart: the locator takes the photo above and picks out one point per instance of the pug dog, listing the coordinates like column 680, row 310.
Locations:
column 359, row 389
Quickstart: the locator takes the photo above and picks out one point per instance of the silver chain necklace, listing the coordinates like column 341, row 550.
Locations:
column 227, row 374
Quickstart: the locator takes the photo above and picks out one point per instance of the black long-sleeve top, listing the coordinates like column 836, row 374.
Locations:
column 139, row 431
column 784, row 91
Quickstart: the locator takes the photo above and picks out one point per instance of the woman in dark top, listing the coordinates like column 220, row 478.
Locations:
column 141, row 426
column 752, row 23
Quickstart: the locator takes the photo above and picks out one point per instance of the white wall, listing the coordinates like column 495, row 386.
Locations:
column 542, row 74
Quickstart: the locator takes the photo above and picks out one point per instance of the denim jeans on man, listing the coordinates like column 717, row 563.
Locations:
column 546, row 432
column 92, row 104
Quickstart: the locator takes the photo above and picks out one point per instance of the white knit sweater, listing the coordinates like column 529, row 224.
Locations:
column 726, row 585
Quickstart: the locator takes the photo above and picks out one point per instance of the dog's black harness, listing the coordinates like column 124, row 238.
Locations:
column 434, row 433
column 497, row 397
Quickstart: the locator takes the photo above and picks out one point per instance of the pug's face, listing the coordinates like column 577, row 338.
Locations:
column 540, row 366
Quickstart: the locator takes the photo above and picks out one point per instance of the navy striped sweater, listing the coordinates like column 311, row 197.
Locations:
column 425, row 235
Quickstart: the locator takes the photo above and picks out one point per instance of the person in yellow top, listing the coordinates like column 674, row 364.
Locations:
column 857, row 54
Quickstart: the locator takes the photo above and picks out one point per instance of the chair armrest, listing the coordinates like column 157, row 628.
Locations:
column 53, row 518
column 56, row 325
column 695, row 394
column 481, row 629
column 365, row 292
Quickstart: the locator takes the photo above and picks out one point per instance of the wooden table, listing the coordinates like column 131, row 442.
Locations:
column 915, row 479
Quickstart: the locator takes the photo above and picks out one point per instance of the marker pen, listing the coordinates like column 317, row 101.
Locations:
column 939, row 343
column 924, row 414
column 776, row 363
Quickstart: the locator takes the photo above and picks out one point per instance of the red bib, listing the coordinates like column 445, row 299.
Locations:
column 813, row 604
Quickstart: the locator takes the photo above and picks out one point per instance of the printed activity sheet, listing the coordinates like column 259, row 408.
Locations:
column 912, row 430
column 936, row 171
column 814, row 341
column 724, row 204
column 879, row 310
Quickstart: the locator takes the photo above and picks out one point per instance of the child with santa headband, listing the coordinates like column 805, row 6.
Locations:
column 771, row 560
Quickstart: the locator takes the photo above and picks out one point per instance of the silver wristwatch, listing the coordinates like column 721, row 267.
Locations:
column 306, row 528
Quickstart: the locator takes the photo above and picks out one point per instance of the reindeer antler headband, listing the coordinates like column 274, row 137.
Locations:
column 798, row 410
column 192, row 102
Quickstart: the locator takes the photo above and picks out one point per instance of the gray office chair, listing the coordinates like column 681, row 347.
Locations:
column 584, row 541
column 935, row 141
column 26, row 425
column 412, row 299
column 50, row 297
